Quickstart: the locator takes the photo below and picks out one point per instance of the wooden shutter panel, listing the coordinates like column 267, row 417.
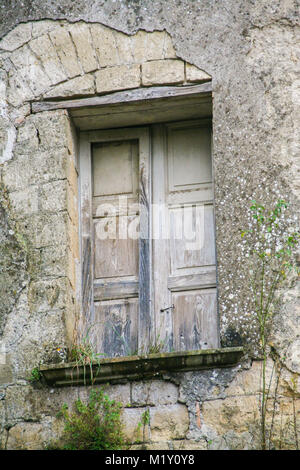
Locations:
column 184, row 262
column 118, row 162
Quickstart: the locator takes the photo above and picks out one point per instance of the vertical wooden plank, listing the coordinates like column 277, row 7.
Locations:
column 160, row 231
column 145, row 307
column 86, row 234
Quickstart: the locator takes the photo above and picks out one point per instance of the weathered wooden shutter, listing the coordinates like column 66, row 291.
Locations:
column 116, row 207
column 183, row 231
column 148, row 245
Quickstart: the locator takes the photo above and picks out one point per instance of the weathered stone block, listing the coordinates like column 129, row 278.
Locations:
column 118, row 78
column 33, row 168
column 189, row 444
column 42, row 27
column 169, row 51
column 52, row 260
column 105, row 45
column 193, row 74
column 46, row 54
column 79, row 86
column 32, row 436
column 83, row 42
column 232, row 413
column 18, row 404
column 25, row 202
column 154, row 393
column 17, row 37
column 6, row 376
column 53, row 196
column 65, row 49
column 45, row 230
column 134, row 430
column 31, row 71
column 52, row 129
column 150, row 46
column 120, row 393
column 124, row 45
column 169, row 422
column 48, row 294
column 160, row 72
column 248, row 382
column 18, row 90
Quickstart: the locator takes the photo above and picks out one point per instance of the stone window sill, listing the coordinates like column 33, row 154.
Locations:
column 122, row 369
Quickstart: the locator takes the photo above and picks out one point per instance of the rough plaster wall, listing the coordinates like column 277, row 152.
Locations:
column 249, row 48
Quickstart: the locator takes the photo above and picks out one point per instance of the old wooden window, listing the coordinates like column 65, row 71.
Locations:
column 147, row 231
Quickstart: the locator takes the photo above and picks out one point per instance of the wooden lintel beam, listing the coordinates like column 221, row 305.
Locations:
column 127, row 96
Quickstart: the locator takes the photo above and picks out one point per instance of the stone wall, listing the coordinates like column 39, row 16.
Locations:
column 249, row 51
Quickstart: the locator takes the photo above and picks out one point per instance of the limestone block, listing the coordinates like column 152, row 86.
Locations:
column 71, row 267
column 30, row 436
column 160, row 72
column 53, row 196
column 124, row 45
column 72, row 205
column 248, row 382
column 52, row 129
column 189, row 444
column 34, row 168
column 193, row 74
column 18, row 404
column 45, row 230
column 132, row 419
column 50, row 401
column 17, row 37
column 46, row 53
column 164, row 445
column 81, row 36
column 7, row 139
column 27, row 137
column 65, row 49
column 119, row 392
column 25, row 202
column 79, row 86
column 118, row 78
column 18, row 90
column 73, row 238
column 232, row 413
column 169, row 51
column 148, row 46
column 169, row 422
column 52, row 260
column 43, row 26
column 45, row 295
column 6, row 375
column 19, row 115
column 31, row 71
column 154, row 393
column 105, row 45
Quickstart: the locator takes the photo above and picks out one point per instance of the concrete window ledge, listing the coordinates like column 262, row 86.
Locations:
column 122, row 369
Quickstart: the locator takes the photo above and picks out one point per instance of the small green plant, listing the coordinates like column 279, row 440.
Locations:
column 145, row 420
column 92, row 426
column 35, row 375
column 271, row 244
column 83, row 354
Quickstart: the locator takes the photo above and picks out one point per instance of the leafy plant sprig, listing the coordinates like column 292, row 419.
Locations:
column 271, row 243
